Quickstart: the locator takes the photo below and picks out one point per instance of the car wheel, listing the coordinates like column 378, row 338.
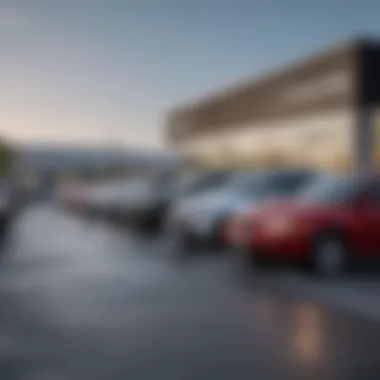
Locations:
column 330, row 257
column 189, row 244
column 184, row 248
column 252, row 261
column 218, row 236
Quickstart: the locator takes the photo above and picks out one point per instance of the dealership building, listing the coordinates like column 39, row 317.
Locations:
column 320, row 112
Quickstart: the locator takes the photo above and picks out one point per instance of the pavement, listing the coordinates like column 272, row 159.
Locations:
column 81, row 299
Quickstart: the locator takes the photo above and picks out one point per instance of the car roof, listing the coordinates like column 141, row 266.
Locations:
column 353, row 176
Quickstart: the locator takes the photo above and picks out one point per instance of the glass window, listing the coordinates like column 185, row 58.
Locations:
column 332, row 189
column 186, row 180
column 285, row 184
column 375, row 191
column 266, row 185
column 202, row 182
column 244, row 183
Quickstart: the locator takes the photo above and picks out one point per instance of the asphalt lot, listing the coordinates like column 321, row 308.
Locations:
column 85, row 300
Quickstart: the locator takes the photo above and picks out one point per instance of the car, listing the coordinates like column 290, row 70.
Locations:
column 71, row 196
column 103, row 200
column 142, row 203
column 331, row 224
column 167, row 191
column 113, row 200
column 202, row 219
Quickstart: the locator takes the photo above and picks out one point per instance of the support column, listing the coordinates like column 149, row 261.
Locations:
column 363, row 144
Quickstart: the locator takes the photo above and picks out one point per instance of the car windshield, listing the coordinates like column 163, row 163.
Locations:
column 185, row 180
column 283, row 184
column 244, row 184
column 201, row 182
column 331, row 190
column 265, row 185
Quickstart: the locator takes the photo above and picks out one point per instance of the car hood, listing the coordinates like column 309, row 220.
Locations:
column 296, row 208
column 215, row 204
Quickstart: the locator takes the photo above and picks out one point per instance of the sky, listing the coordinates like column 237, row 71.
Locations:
column 107, row 71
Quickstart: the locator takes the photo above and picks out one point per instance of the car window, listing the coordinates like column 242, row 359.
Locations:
column 245, row 184
column 374, row 191
column 331, row 189
column 203, row 182
column 285, row 184
column 187, row 180
column 272, row 184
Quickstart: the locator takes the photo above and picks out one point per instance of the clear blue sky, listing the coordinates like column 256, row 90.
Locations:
column 100, row 70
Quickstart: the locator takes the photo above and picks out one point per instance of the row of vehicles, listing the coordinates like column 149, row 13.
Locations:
column 322, row 221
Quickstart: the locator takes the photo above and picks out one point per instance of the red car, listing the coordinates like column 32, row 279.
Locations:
column 331, row 223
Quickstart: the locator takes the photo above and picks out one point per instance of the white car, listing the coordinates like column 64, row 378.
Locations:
column 149, row 202
column 125, row 199
column 202, row 219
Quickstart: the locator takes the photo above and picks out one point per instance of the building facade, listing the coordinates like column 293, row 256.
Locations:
column 320, row 112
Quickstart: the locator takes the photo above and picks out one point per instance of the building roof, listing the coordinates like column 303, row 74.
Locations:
column 199, row 111
column 238, row 87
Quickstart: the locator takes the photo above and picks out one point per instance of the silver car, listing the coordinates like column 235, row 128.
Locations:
column 201, row 219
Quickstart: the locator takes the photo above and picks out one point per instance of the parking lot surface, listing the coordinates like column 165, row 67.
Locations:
column 85, row 300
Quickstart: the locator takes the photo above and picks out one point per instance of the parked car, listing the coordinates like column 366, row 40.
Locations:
column 141, row 202
column 166, row 191
column 202, row 219
column 332, row 223
column 102, row 200
column 73, row 197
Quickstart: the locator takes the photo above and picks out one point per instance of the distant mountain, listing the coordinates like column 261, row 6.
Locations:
column 61, row 158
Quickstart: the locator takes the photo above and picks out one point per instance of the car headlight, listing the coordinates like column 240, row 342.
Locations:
column 281, row 225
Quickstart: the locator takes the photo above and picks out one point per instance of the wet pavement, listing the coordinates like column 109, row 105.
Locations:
column 83, row 300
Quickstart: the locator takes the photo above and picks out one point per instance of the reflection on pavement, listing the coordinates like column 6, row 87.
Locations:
column 81, row 299
column 308, row 333
column 306, row 339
